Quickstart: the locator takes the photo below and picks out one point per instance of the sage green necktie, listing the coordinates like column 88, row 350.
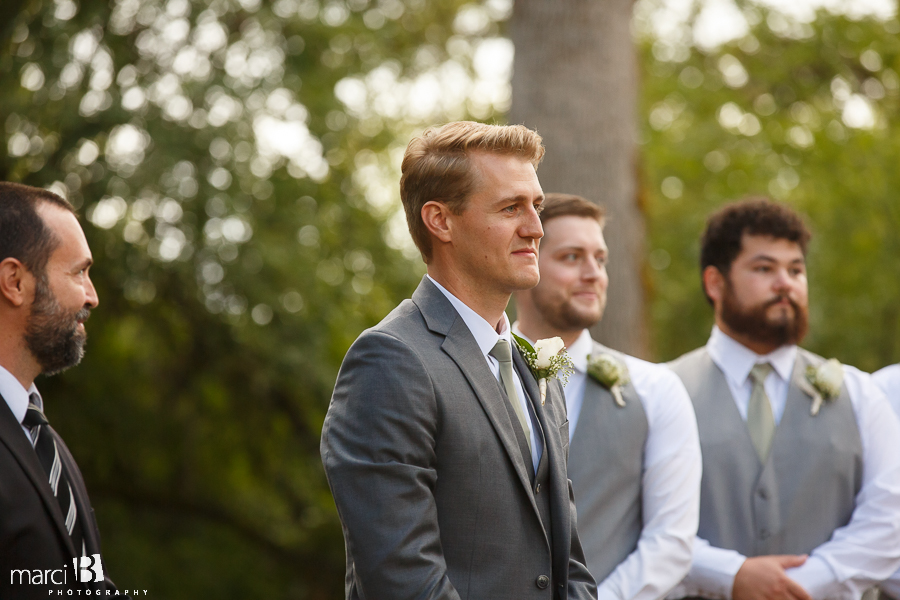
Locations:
column 501, row 352
column 760, row 420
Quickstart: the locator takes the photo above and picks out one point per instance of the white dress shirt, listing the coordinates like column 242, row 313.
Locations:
column 16, row 396
column 858, row 554
column 670, row 478
column 486, row 337
column 888, row 379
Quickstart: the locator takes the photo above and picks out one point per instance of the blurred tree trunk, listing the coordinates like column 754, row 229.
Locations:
column 575, row 81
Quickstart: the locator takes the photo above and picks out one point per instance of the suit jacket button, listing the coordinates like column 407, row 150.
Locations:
column 542, row 582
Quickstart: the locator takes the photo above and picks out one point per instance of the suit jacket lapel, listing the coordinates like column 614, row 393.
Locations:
column 82, row 502
column 461, row 347
column 459, row 344
column 559, row 481
column 12, row 436
column 529, row 384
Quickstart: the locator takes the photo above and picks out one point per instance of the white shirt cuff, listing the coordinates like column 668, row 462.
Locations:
column 712, row 573
column 819, row 581
column 609, row 591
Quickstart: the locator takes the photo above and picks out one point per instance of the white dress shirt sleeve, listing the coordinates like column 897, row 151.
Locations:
column 712, row 572
column 671, row 489
column 888, row 379
column 867, row 549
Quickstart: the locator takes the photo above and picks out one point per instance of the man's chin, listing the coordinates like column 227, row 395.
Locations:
column 525, row 279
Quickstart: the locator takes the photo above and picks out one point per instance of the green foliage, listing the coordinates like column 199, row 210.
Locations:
column 808, row 114
column 237, row 211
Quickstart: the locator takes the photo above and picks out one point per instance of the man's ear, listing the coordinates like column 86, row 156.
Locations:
column 15, row 281
column 714, row 284
column 436, row 215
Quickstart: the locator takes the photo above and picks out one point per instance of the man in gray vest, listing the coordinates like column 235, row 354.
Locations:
column 634, row 455
column 800, row 494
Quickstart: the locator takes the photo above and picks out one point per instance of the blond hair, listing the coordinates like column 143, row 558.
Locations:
column 437, row 166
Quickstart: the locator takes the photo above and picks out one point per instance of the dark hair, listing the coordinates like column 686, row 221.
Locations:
column 570, row 205
column 23, row 234
column 722, row 241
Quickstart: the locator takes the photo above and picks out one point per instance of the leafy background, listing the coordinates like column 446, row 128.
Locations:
column 236, row 165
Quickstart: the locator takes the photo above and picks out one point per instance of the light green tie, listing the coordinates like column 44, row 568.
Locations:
column 501, row 352
column 760, row 421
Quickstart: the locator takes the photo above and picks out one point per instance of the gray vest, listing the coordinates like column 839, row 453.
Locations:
column 606, row 461
column 806, row 489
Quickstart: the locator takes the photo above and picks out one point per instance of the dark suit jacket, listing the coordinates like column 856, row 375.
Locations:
column 431, row 486
column 33, row 534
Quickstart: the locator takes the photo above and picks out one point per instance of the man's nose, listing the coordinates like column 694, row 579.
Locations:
column 782, row 280
column 532, row 228
column 91, row 299
column 591, row 269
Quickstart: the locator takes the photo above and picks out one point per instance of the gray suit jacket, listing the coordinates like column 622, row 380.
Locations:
column 431, row 486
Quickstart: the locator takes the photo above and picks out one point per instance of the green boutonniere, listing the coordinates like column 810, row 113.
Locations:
column 823, row 383
column 611, row 373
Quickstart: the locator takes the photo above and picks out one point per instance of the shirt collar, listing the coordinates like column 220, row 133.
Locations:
column 736, row 360
column 15, row 395
column 580, row 350
column 484, row 333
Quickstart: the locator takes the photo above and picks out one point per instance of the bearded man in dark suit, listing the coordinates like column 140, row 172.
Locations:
column 49, row 541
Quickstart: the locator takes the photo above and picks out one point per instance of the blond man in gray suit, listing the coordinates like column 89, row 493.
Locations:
column 448, row 472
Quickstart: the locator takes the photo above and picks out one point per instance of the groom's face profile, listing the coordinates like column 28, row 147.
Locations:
column 495, row 238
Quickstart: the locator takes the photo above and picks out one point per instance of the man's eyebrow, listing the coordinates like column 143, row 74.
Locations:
column 767, row 258
column 84, row 264
column 518, row 198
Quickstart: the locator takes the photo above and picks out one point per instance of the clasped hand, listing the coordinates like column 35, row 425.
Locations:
column 764, row 578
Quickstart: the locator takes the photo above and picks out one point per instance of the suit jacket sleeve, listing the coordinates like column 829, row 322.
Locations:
column 378, row 449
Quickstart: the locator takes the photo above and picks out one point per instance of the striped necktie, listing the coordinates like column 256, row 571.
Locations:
column 50, row 459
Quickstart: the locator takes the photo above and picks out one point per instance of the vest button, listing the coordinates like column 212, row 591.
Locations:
column 542, row 582
column 762, row 493
column 763, row 533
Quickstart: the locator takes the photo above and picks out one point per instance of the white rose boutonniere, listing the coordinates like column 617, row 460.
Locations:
column 546, row 359
column 611, row 373
column 824, row 383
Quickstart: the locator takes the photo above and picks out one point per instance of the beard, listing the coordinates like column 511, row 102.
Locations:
column 754, row 322
column 564, row 315
column 52, row 333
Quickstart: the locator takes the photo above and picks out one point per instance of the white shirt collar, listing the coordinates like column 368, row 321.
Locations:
column 736, row 360
column 484, row 333
column 15, row 395
column 580, row 350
